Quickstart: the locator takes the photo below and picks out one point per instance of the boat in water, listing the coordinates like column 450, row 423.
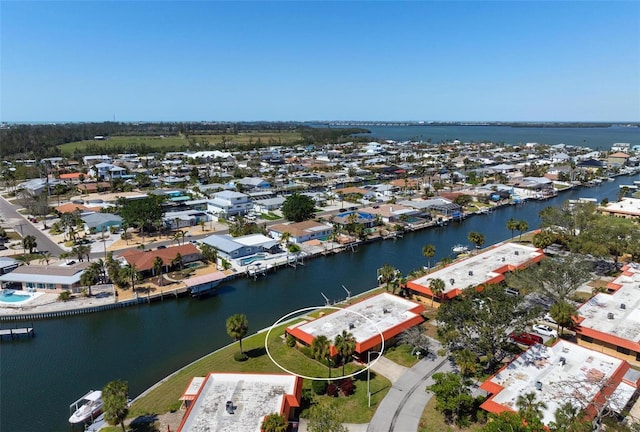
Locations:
column 460, row 249
column 87, row 408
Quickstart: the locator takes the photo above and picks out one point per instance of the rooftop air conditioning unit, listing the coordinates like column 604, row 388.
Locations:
column 610, row 315
column 470, row 272
column 623, row 306
column 538, row 385
column 352, row 326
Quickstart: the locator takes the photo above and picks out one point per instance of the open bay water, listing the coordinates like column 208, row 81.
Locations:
column 597, row 138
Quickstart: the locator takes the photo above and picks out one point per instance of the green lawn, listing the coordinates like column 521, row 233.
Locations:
column 162, row 398
column 401, row 354
column 155, row 142
column 433, row 421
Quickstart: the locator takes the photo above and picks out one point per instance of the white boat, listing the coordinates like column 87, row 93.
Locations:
column 460, row 249
column 87, row 408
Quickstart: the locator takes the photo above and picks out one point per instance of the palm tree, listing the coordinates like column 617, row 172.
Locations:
column 529, row 408
column 45, row 257
column 345, row 343
column 284, row 238
column 157, row 269
column 29, row 242
column 237, row 327
column 130, row 273
column 512, row 225
column 178, row 236
column 320, row 349
column 115, row 405
column 437, row 288
column 428, row 251
column 522, row 227
column 88, row 278
column 274, row 423
column 386, row 274
column 477, row 239
column 177, row 260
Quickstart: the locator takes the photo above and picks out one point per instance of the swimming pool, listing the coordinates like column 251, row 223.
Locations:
column 252, row 258
column 11, row 296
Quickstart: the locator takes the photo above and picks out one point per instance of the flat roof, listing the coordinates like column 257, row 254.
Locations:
column 584, row 372
column 365, row 320
column 63, row 275
column 254, row 396
column 483, row 268
column 626, row 206
column 625, row 323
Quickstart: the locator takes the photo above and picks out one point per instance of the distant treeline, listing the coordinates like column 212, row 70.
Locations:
column 38, row 141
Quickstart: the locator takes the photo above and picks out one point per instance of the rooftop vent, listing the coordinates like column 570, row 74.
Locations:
column 503, row 259
column 229, row 407
column 563, row 361
column 623, row 306
column 610, row 315
column 452, row 281
column 352, row 326
column 516, row 253
column 539, row 385
column 470, row 272
column 385, row 310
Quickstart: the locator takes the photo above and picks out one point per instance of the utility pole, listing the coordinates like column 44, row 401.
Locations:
column 24, row 252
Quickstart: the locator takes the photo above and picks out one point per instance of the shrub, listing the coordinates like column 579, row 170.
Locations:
column 319, row 387
column 240, row 357
column 291, row 341
column 307, row 351
column 347, row 387
column 65, row 295
column 332, row 390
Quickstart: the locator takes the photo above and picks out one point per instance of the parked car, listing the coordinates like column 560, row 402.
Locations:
column 527, row 339
column 353, row 208
column 548, row 318
column 162, row 247
column 544, row 330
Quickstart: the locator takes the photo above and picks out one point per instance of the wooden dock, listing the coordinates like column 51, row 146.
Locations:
column 14, row 333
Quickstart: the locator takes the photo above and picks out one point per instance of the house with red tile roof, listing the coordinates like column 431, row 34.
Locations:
column 143, row 260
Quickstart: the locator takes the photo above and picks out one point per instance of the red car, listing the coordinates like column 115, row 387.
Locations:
column 527, row 339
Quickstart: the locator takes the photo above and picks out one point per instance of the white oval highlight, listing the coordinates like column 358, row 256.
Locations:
column 315, row 308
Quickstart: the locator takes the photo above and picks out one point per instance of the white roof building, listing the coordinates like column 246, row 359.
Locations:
column 228, row 402
column 564, row 372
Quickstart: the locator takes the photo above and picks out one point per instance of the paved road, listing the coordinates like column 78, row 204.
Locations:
column 18, row 222
column 402, row 407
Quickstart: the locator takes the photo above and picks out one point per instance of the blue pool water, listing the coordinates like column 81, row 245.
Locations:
column 12, row 297
column 256, row 257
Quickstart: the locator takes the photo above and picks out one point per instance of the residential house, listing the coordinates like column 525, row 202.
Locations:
column 143, row 260
column 101, row 222
column 238, row 247
column 301, row 231
column 47, row 278
column 229, row 203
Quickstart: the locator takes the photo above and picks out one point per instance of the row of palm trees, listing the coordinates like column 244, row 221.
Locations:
column 344, row 343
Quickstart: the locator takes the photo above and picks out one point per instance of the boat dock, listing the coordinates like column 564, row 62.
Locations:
column 14, row 333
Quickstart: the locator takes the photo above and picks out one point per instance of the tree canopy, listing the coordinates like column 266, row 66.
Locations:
column 145, row 213
column 298, row 207
column 482, row 322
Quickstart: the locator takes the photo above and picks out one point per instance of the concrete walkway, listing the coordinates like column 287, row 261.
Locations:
column 402, row 407
column 388, row 369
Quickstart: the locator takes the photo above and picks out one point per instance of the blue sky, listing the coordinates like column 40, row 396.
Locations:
column 431, row 60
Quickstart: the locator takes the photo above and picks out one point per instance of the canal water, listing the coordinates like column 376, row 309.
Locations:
column 40, row 377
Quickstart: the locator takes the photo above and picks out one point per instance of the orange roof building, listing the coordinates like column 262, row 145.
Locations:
column 233, row 402
column 72, row 207
column 564, row 372
column 610, row 322
column 143, row 260
column 485, row 268
column 369, row 321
